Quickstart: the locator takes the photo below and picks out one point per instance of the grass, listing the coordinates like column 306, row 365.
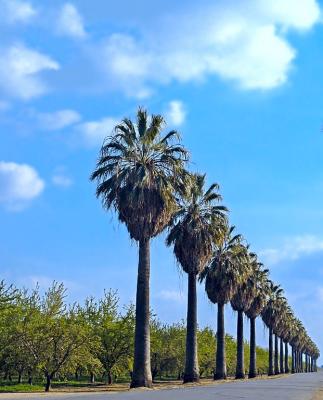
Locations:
column 20, row 388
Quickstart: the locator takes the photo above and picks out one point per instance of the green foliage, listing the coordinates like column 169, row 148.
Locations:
column 42, row 336
column 24, row 388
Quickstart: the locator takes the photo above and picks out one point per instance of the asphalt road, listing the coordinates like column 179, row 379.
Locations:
column 294, row 387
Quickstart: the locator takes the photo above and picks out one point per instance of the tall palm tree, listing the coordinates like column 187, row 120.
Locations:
column 260, row 282
column 198, row 223
column 241, row 302
column 137, row 175
column 227, row 271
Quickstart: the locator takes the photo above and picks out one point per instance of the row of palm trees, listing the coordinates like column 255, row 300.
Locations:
column 142, row 175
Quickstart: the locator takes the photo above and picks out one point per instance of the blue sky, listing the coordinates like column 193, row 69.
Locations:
column 242, row 81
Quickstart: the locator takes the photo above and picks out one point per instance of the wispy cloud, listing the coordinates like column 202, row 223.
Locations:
column 19, row 185
column 246, row 43
column 175, row 113
column 62, row 180
column 15, row 11
column 171, row 295
column 70, row 22
column 58, row 120
column 94, row 132
column 19, row 71
column 292, row 249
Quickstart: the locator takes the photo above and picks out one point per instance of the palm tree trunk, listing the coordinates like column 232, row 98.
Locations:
column 240, row 348
column 281, row 356
column 48, row 382
column 286, row 358
column 220, row 367
column 141, row 375
column 276, row 356
column 293, row 361
column 252, row 365
column 270, row 353
column 191, row 373
column 299, row 368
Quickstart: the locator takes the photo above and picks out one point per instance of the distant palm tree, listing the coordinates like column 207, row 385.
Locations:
column 228, row 270
column 280, row 305
column 260, row 282
column 269, row 315
column 241, row 302
column 137, row 175
column 287, row 335
column 199, row 223
column 281, row 329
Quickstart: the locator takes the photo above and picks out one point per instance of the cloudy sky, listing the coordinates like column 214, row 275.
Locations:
column 241, row 80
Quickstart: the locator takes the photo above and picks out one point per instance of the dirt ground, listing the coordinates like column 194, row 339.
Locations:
column 318, row 395
column 122, row 387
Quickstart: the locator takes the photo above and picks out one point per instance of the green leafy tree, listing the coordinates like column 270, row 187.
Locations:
column 55, row 334
column 206, row 343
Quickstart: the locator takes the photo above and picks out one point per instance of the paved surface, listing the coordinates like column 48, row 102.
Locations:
column 294, row 387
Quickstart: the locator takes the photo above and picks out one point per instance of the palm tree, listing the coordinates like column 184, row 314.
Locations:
column 280, row 307
column 260, row 282
column 287, row 335
column 227, row 271
column 269, row 316
column 137, row 174
column 241, row 302
column 282, row 329
column 197, row 224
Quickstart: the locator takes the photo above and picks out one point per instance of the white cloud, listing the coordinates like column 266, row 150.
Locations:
column 175, row 114
column 171, row 295
column 62, row 180
column 17, row 11
column 70, row 22
column 292, row 249
column 245, row 42
column 19, row 71
column 19, row 184
column 301, row 15
column 94, row 132
column 58, row 120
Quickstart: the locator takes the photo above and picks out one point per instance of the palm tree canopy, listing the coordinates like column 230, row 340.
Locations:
column 247, row 291
column 269, row 312
column 138, row 173
column 259, row 283
column 228, row 269
column 198, row 223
